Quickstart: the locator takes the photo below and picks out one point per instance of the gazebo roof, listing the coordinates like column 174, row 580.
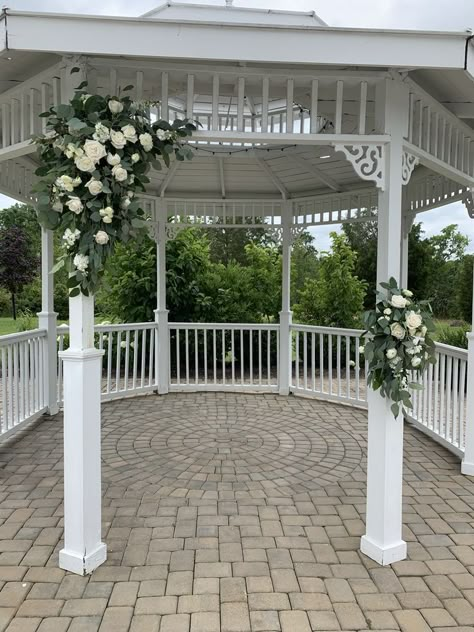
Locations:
column 237, row 15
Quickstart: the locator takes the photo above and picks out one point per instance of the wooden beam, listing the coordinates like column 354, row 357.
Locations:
column 273, row 177
column 314, row 171
column 169, row 176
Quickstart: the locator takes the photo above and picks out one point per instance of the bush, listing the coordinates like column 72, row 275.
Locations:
column 453, row 336
column 27, row 321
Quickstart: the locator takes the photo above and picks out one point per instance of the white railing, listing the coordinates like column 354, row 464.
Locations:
column 22, row 370
column 327, row 364
column 440, row 408
column 129, row 360
column 223, row 357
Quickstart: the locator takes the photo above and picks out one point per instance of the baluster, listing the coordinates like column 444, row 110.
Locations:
column 313, row 361
column 428, row 129
column 420, row 123
column 28, row 409
column 462, row 416
column 240, row 103
column 223, row 356
column 265, row 99
column 305, row 360
column 449, row 372
column 118, row 361
column 357, row 369
column 205, row 356
column 251, row 354
column 109, row 361
column 430, row 396
column 330, row 364
column 127, row 360
column 362, row 107
column 348, row 367
column 215, row 103
column 135, row 358
column 339, row 105
column 151, row 360
column 442, row 415
column 190, row 97
column 196, row 358
column 214, row 353
column 297, row 360
column 338, row 364
column 436, row 394
column 44, row 105
column 321, row 361
column 16, row 384
column 14, row 106
column 290, row 87
column 455, row 415
column 186, row 347
column 178, row 359
column 242, row 378
column 411, row 116
column 232, row 335
column 4, row 409
column 269, row 338
column 165, row 115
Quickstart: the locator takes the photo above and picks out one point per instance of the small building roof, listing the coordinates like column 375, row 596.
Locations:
column 232, row 14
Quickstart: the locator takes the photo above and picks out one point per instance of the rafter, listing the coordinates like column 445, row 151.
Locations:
column 220, row 166
column 314, row 171
column 169, row 176
column 273, row 177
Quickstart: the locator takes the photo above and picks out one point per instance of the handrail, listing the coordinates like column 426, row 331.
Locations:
column 226, row 326
column 327, row 330
column 9, row 339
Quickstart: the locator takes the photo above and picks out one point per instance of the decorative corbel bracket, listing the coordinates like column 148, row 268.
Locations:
column 409, row 162
column 368, row 161
column 297, row 231
column 468, row 201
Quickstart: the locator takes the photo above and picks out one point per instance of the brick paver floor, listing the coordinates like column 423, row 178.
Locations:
column 234, row 513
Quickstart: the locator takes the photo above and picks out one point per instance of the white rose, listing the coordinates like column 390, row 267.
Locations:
column 135, row 157
column 57, row 206
column 101, row 237
column 81, row 262
column 146, row 141
column 123, row 344
column 361, row 349
column 387, row 311
column 130, row 133
column 119, row 173
column 397, row 331
column 125, row 203
column 102, row 133
column 95, row 150
column 76, row 182
column 95, row 186
column 117, row 139
column 391, row 354
column 413, row 320
column 84, row 163
column 398, row 301
column 415, row 362
column 161, row 134
column 115, row 106
column 107, row 214
column 407, row 293
column 113, row 159
column 66, row 183
column 75, row 205
column 107, row 219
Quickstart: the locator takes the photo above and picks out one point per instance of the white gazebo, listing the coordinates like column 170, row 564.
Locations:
column 300, row 125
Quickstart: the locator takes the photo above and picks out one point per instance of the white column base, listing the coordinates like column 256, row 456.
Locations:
column 82, row 564
column 383, row 555
column 286, row 351
column 162, row 351
column 467, row 468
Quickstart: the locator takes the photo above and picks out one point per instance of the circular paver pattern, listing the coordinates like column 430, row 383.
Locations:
column 222, row 441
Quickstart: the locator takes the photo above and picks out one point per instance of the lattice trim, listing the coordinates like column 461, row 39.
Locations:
column 368, row 161
column 409, row 162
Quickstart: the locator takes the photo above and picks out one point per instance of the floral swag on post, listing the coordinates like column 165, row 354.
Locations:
column 95, row 155
column 399, row 346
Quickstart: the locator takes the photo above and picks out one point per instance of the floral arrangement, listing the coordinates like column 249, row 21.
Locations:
column 399, row 345
column 94, row 156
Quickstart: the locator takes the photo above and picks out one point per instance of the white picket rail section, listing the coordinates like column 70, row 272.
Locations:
column 224, row 357
column 22, row 369
column 327, row 364
column 129, row 359
column 439, row 409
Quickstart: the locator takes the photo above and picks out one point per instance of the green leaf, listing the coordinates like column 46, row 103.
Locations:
column 75, row 292
column 395, row 408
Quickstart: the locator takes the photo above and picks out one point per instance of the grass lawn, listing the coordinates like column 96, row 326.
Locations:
column 8, row 326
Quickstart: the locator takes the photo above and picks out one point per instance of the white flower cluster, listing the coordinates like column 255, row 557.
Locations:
column 70, row 237
column 81, row 262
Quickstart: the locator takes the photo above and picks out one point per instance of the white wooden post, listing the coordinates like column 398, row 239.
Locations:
column 47, row 319
column 467, row 466
column 407, row 224
column 161, row 313
column 383, row 537
column 82, row 370
column 286, row 315
column 82, row 377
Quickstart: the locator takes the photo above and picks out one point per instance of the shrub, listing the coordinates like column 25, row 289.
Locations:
column 453, row 336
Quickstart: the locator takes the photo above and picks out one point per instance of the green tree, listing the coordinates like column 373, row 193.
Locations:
column 464, row 288
column 304, row 263
column 336, row 297
column 18, row 264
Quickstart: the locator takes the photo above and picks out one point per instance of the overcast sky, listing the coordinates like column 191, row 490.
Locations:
column 408, row 14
